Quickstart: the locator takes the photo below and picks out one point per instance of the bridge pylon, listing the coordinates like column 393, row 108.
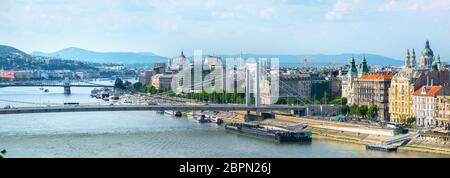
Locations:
column 258, row 89
column 256, row 84
column 247, row 89
column 67, row 86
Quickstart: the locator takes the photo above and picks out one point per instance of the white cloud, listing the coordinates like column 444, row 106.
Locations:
column 390, row 6
column 415, row 5
column 341, row 9
column 267, row 12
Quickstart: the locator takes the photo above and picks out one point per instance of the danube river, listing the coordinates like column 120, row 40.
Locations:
column 140, row 134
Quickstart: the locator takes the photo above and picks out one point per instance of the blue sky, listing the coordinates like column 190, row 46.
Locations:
column 386, row 27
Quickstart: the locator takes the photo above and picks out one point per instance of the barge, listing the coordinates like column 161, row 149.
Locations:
column 274, row 133
column 381, row 147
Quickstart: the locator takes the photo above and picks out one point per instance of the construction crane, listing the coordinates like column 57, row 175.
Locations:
column 305, row 63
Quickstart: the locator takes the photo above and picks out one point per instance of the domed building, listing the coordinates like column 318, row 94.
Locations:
column 178, row 62
column 211, row 62
column 427, row 57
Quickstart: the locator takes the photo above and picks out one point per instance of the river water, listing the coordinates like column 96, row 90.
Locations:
column 140, row 134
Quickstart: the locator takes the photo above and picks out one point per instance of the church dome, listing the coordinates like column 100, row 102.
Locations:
column 179, row 62
column 180, row 59
column 427, row 51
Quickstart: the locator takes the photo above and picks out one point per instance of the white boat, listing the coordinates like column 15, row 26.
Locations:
column 201, row 118
column 216, row 120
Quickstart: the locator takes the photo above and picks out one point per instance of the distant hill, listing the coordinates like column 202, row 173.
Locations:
column 325, row 59
column 146, row 58
column 104, row 57
column 8, row 51
column 14, row 59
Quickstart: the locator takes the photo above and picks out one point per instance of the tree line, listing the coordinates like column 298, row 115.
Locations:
column 369, row 112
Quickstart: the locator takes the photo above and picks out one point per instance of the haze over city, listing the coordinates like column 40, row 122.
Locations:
column 385, row 27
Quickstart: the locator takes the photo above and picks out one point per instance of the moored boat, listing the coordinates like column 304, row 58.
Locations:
column 381, row 147
column 274, row 133
column 94, row 92
column 216, row 120
column 173, row 113
column 201, row 118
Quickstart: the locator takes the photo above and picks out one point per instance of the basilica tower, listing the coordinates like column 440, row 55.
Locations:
column 413, row 59
column 407, row 59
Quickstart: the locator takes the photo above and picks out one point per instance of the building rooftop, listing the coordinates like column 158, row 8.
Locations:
column 377, row 76
column 295, row 76
column 427, row 91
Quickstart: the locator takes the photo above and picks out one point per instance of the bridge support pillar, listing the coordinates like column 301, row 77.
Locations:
column 67, row 86
column 67, row 90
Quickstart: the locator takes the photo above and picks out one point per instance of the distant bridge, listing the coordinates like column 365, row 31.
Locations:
column 66, row 84
column 97, row 108
column 53, row 85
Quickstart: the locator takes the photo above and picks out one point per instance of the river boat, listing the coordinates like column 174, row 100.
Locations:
column 216, row 120
column 201, row 118
column 273, row 133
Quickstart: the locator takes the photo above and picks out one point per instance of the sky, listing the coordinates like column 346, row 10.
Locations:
column 164, row 27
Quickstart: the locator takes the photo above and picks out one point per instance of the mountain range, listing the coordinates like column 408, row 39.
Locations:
column 325, row 59
column 8, row 50
column 146, row 58
column 104, row 57
column 14, row 59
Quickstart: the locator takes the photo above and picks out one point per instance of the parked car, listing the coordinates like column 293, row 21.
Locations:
column 392, row 125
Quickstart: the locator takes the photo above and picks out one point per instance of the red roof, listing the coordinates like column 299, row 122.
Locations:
column 429, row 90
column 8, row 75
column 377, row 76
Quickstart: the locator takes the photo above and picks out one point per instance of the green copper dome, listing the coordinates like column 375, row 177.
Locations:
column 352, row 68
column 363, row 68
column 436, row 63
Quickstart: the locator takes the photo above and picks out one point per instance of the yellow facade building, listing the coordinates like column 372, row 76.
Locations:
column 443, row 111
column 403, row 85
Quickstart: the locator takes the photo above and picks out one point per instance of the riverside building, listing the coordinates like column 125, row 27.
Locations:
column 443, row 111
column 410, row 79
column 424, row 105
column 373, row 89
column 352, row 75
